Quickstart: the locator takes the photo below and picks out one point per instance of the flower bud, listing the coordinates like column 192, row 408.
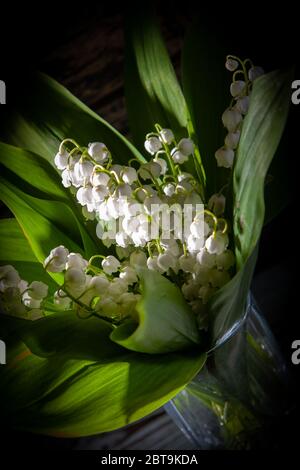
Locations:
column 237, row 88
column 166, row 261
column 231, row 65
column 128, row 275
column 187, row 263
column 232, row 139
column 231, row 118
column 242, row 104
column 216, row 204
column 225, row 260
column 9, row 277
column 255, row 72
column 224, row 157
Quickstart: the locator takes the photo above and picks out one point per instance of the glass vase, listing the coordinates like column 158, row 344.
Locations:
column 235, row 400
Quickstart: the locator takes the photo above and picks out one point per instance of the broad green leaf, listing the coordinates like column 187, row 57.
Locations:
column 261, row 133
column 165, row 323
column 32, row 172
column 39, row 222
column 64, row 377
column 37, row 178
column 15, row 250
column 206, row 90
column 45, row 113
column 153, row 94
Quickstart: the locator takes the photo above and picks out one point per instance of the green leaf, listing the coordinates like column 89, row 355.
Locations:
column 15, row 250
column 45, row 113
column 261, row 133
column 40, row 221
column 206, row 90
column 64, row 377
column 153, row 94
column 165, row 322
column 46, row 194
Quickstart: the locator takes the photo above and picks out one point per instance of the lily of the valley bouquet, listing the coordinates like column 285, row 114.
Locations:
column 128, row 264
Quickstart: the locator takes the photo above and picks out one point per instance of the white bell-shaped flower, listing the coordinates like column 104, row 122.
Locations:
column 205, row 293
column 219, row 278
column 255, row 72
column 85, row 195
column 225, row 260
column 128, row 275
column 99, row 284
column 231, row 119
column 108, row 306
column 138, row 259
column 57, row 259
column 62, row 300
column 224, row 157
column 152, row 145
column 242, row 104
column 206, row 259
column 75, row 260
column 169, row 189
column 163, row 165
column 217, row 243
column 75, row 279
column 187, row 263
column 166, row 136
column 216, row 204
column 98, row 151
column 237, row 88
column 117, row 287
column 30, row 302
column 186, row 146
column 99, row 178
column 166, row 261
column 232, row 139
column 194, row 244
column 61, row 160
column 9, row 277
column 110, row 264
column 152, row 264
column 99, row 193
column 178, row 157
column 66, row 178
column 38, row 290
column 129, row 175
column 231, row 65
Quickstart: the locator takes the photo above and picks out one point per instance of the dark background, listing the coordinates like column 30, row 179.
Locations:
column 82, row 47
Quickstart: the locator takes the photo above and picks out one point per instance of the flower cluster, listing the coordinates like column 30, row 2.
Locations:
column 19, row 298
column 131, row 204
column 109, row 291
column 243, row 77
